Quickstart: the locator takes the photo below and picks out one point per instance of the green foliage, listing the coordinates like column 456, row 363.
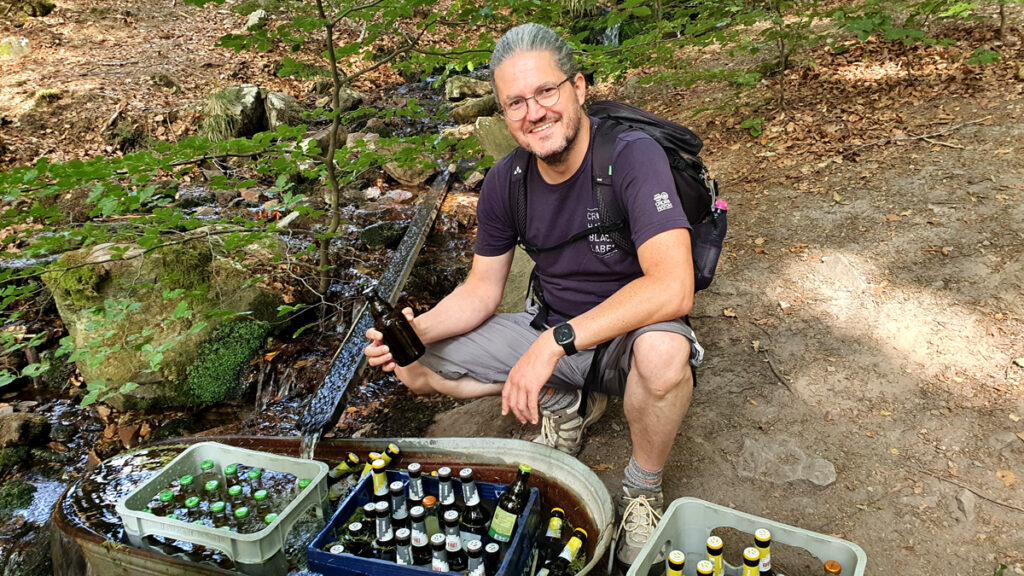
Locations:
column 15, row 494
column 214, row 377
column 12, row 457
column 984, row 56
column 1000, row 570
column 755, row 126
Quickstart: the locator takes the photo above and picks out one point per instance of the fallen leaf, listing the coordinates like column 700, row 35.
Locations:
column 1008, row 478
column 1019, row 362
column 756, row 344
column 954, row 470
column 270, row 355
column 752, row 401
column 893, row 217
column 1020, row 435
column 894, row 451
column 1014, row 417
column 57, row 447
column 759, row 241
column 600, row 467
column 886, row 413
column 728, row 313
column 837, row 198
column 946, row 250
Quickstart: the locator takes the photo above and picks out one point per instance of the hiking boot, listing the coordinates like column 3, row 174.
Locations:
column 640, row 511
column 563, row 429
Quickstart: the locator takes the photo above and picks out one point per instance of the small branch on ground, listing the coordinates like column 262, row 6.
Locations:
column 883, row 141
column 966, row 487
column 778, row 376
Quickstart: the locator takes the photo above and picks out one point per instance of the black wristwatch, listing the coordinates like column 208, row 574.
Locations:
column 566, row 338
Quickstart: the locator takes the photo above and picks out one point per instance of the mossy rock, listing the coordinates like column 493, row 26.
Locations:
column 12, row 457
column 166, row 304
column 14, row 494
column 213, row 377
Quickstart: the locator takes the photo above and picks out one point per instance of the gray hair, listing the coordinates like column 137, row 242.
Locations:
column 531, row 38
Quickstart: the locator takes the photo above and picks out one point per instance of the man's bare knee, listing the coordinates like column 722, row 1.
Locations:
column 661, row 361
column 417, row 378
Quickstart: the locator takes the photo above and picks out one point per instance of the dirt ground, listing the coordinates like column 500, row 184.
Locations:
column 867, row 312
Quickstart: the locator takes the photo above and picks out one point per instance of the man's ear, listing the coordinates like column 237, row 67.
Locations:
column 579, row 84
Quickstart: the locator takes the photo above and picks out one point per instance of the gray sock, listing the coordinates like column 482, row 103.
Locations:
column 553, row 399
column 637, row 477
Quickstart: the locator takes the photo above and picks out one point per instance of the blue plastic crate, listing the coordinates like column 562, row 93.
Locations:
column 517, row 560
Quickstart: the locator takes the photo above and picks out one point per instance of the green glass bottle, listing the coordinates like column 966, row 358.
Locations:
column 231, row 475
column 510, row 505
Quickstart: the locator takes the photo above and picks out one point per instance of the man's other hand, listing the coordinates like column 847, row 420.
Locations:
column 377, row 353
column 528, row 376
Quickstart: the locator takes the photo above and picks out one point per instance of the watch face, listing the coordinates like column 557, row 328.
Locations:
column 564, row 334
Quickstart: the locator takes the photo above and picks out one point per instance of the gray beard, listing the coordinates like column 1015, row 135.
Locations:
column 560, row 156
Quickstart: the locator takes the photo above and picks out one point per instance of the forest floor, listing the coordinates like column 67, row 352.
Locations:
column 868, row 309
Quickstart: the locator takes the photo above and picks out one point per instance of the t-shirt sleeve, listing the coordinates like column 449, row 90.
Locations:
column 495, row 231
column 645, row 185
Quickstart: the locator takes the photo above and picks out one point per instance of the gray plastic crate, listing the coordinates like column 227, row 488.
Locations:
column 246, row 550
column 688, row 522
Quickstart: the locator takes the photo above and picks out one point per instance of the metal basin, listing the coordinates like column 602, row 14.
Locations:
column 91, row 544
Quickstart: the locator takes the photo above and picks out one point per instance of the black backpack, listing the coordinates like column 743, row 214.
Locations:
column 696, row 189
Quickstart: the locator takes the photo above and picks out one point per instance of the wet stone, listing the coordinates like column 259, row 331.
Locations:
column 22, row 429
column 384, row 234
column 781, row 461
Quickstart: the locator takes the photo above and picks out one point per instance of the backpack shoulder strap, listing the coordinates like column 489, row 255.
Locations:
column 613, row 216
column 521, row 160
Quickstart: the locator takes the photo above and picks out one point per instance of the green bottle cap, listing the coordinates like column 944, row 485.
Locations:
column 235, row 490
column 241, row 512
column 525, row 468
column 186, row 480
column 200, row 522
column 255, row 474
column 217, row 507
column 192, row 502
column 167, row 496
column 226, row 528
column 206, row 465
column 260, row 495
column 230, row 470
column 172, row 516
column 269, row 518
column 213, row 485
column 303, row 482
column 147, row 511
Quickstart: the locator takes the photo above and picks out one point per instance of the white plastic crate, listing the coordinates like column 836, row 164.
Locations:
column 688, row 522
column 243, row 549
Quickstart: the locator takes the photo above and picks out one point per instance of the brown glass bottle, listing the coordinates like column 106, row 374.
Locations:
column 403, row 342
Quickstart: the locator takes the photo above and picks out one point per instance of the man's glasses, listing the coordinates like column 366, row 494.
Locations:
column 546, row 95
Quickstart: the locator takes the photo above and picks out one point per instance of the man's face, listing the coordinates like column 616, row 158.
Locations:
column 547, row 131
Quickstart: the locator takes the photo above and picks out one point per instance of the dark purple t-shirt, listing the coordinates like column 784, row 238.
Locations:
column 580, row 276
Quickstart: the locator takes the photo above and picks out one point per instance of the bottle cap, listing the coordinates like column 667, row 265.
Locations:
column 474, row 546
column 415, row 469
column 217, row 507
column 525, row 468
column 355, row 528
column 192, row 502
column 336, row 549
column 429, row 501
column 677, row 558
column 403, row 534
column 393, row 450
column 451, row 517
column 171, row 516
column 705, row 567
column 715, row 543
column 492, row 548
column 213, row 485
column 444, row 473
column 304, row 482
column 206, row 465
column 235, row 490
column 255, row 474
column 378, row 465
column 833, row 567
column 353, row 458
column 751, row 556
column 763, row 537
column 259, row 495
column 269, row 518
column 558, row 512
column 416, row 512
column 167, row 496
column 466, row 474
column 147, row 510
column 721, row 204
column 230, row 470
column 436, row 539
column 241, row 512
column 186, row 480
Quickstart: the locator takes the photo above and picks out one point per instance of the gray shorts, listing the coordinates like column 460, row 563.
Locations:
column 488, row 353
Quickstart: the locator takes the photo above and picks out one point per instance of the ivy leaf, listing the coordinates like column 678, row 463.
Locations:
column 181, row 311
column 33, row 370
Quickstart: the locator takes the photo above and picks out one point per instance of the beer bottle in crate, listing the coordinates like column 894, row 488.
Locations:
column 386, row 548
column 218, row 510
column 399, row 509
column 676, row 562
column 255, row 480
column 355, row 540
column 380, row 482
column 833, row 568
column 186, row 488
column 261, row 503
column 231, row 476
column 163, row 504
column 453, row 542
column 510, row 505
column 243, row 521
column 439, row 557
column 336, row 548
column 474, row 520
column 715, row 546
column 212, row 491
column 551, row 544
column 403, row 547
column 475, row 563
column 763, row 543
column 430, row 518
column 492, row 558
column 751, row 562
column 207, row 472
column 399, row 336
column 416, row 493
column 445, row 493
column 420, row 540
column 236, row 497
column 705, row 568
column 383, row 525
column 269, row 519
column 191, row 512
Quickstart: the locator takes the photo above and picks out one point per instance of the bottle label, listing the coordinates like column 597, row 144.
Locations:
column 572, row 548
column 416, row 489
column 453, row 543
column 380, row 483
column 419, row 537
column 554, row 527
column 404, row 557
column 477, row 569
column 502, row 525
column 750, row 570
column 445, row 493
column 438, row 565
column 766, row 560
column 471, row 496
